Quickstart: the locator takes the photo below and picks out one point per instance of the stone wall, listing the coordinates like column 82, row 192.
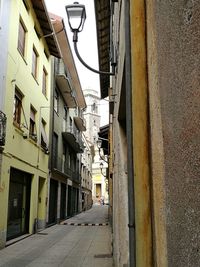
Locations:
column 173, row 72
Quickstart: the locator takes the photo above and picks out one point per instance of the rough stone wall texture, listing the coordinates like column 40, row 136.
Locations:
column 120, row 200
column 175, row 79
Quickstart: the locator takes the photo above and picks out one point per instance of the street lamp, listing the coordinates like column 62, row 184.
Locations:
column 101, row 168
column 99, row 143
column 76, row 15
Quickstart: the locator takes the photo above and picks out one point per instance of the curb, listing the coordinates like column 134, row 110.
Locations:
column 86, row 224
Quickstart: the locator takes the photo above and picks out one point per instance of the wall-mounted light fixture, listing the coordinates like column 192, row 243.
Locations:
column 2, row 128
column 76, row 15
column 101, row 168
column 99, row 144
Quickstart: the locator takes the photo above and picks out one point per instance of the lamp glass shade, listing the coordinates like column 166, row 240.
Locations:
column 76, row 16
column 99, row 143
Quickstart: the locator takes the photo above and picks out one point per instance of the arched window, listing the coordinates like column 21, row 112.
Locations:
column 94, row 108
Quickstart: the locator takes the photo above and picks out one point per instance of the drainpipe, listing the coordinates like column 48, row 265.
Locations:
column 129, row 128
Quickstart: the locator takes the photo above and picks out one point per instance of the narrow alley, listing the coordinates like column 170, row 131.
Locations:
column 82, row 244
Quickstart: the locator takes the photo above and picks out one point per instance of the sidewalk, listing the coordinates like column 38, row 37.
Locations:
column 65, row 245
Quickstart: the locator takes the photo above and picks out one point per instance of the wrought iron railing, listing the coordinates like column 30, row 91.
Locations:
column 62, row 166
column 2, row 128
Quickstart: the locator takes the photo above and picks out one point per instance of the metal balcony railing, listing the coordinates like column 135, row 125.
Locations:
column 64, row 83
column 2, row 128
column 73, row 136
column 62, row 166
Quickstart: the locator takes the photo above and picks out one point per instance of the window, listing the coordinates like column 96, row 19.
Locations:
column 65, row 113
column 44, row 141
column 32, row 128
column 17, row 107
column 94, row 108
column 44, row 82
column 34, row 63
column 21, row 38
column 56, row 101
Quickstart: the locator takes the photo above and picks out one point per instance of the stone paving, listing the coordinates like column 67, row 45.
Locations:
column 65, row 245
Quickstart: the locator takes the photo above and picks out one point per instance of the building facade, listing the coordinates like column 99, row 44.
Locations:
column 92, row 117
column 24, row 169
column 67, row 126
column 86, row 174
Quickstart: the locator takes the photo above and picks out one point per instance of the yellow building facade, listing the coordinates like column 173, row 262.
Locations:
column 24, row 172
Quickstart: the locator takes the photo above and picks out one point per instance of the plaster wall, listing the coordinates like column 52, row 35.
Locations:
column 20, row 153
column 119, row 149
column 4, row 25
column 173, row 70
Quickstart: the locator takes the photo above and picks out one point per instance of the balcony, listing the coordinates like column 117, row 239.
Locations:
column 73, row 137
column 2, row 128
column 80, row 123
column 64, row 84
column 62, row 166
column 79, row 120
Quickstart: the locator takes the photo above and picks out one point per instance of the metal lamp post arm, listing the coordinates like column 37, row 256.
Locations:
column 88, row 67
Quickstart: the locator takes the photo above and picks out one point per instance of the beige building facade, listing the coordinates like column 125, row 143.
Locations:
column 24, row 169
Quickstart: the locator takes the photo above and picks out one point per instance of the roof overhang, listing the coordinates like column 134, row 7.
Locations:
column 65, row 88
column 46, row 26
column 103, row 13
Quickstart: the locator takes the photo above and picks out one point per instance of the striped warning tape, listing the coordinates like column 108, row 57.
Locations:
column 85, row 224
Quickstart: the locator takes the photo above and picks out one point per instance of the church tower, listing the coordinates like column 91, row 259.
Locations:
column 92, row 115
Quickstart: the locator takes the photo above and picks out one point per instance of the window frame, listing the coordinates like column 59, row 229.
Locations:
column 21, row 45
column 43, row 139
column 56, row 101
column 17, row 107
column 32, row 124
column 35, row 57
column 44, row 81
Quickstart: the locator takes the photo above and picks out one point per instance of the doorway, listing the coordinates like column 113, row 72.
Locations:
column 53, row 202
column 41, row 203
column 69, row 204
column 18, row 203
column 63, row 202
column 98, row 190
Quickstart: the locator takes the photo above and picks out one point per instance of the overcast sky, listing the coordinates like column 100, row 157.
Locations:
column 87, row 47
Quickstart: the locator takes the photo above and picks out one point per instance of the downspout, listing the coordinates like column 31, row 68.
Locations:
column 129, row 130
column 51, row 128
